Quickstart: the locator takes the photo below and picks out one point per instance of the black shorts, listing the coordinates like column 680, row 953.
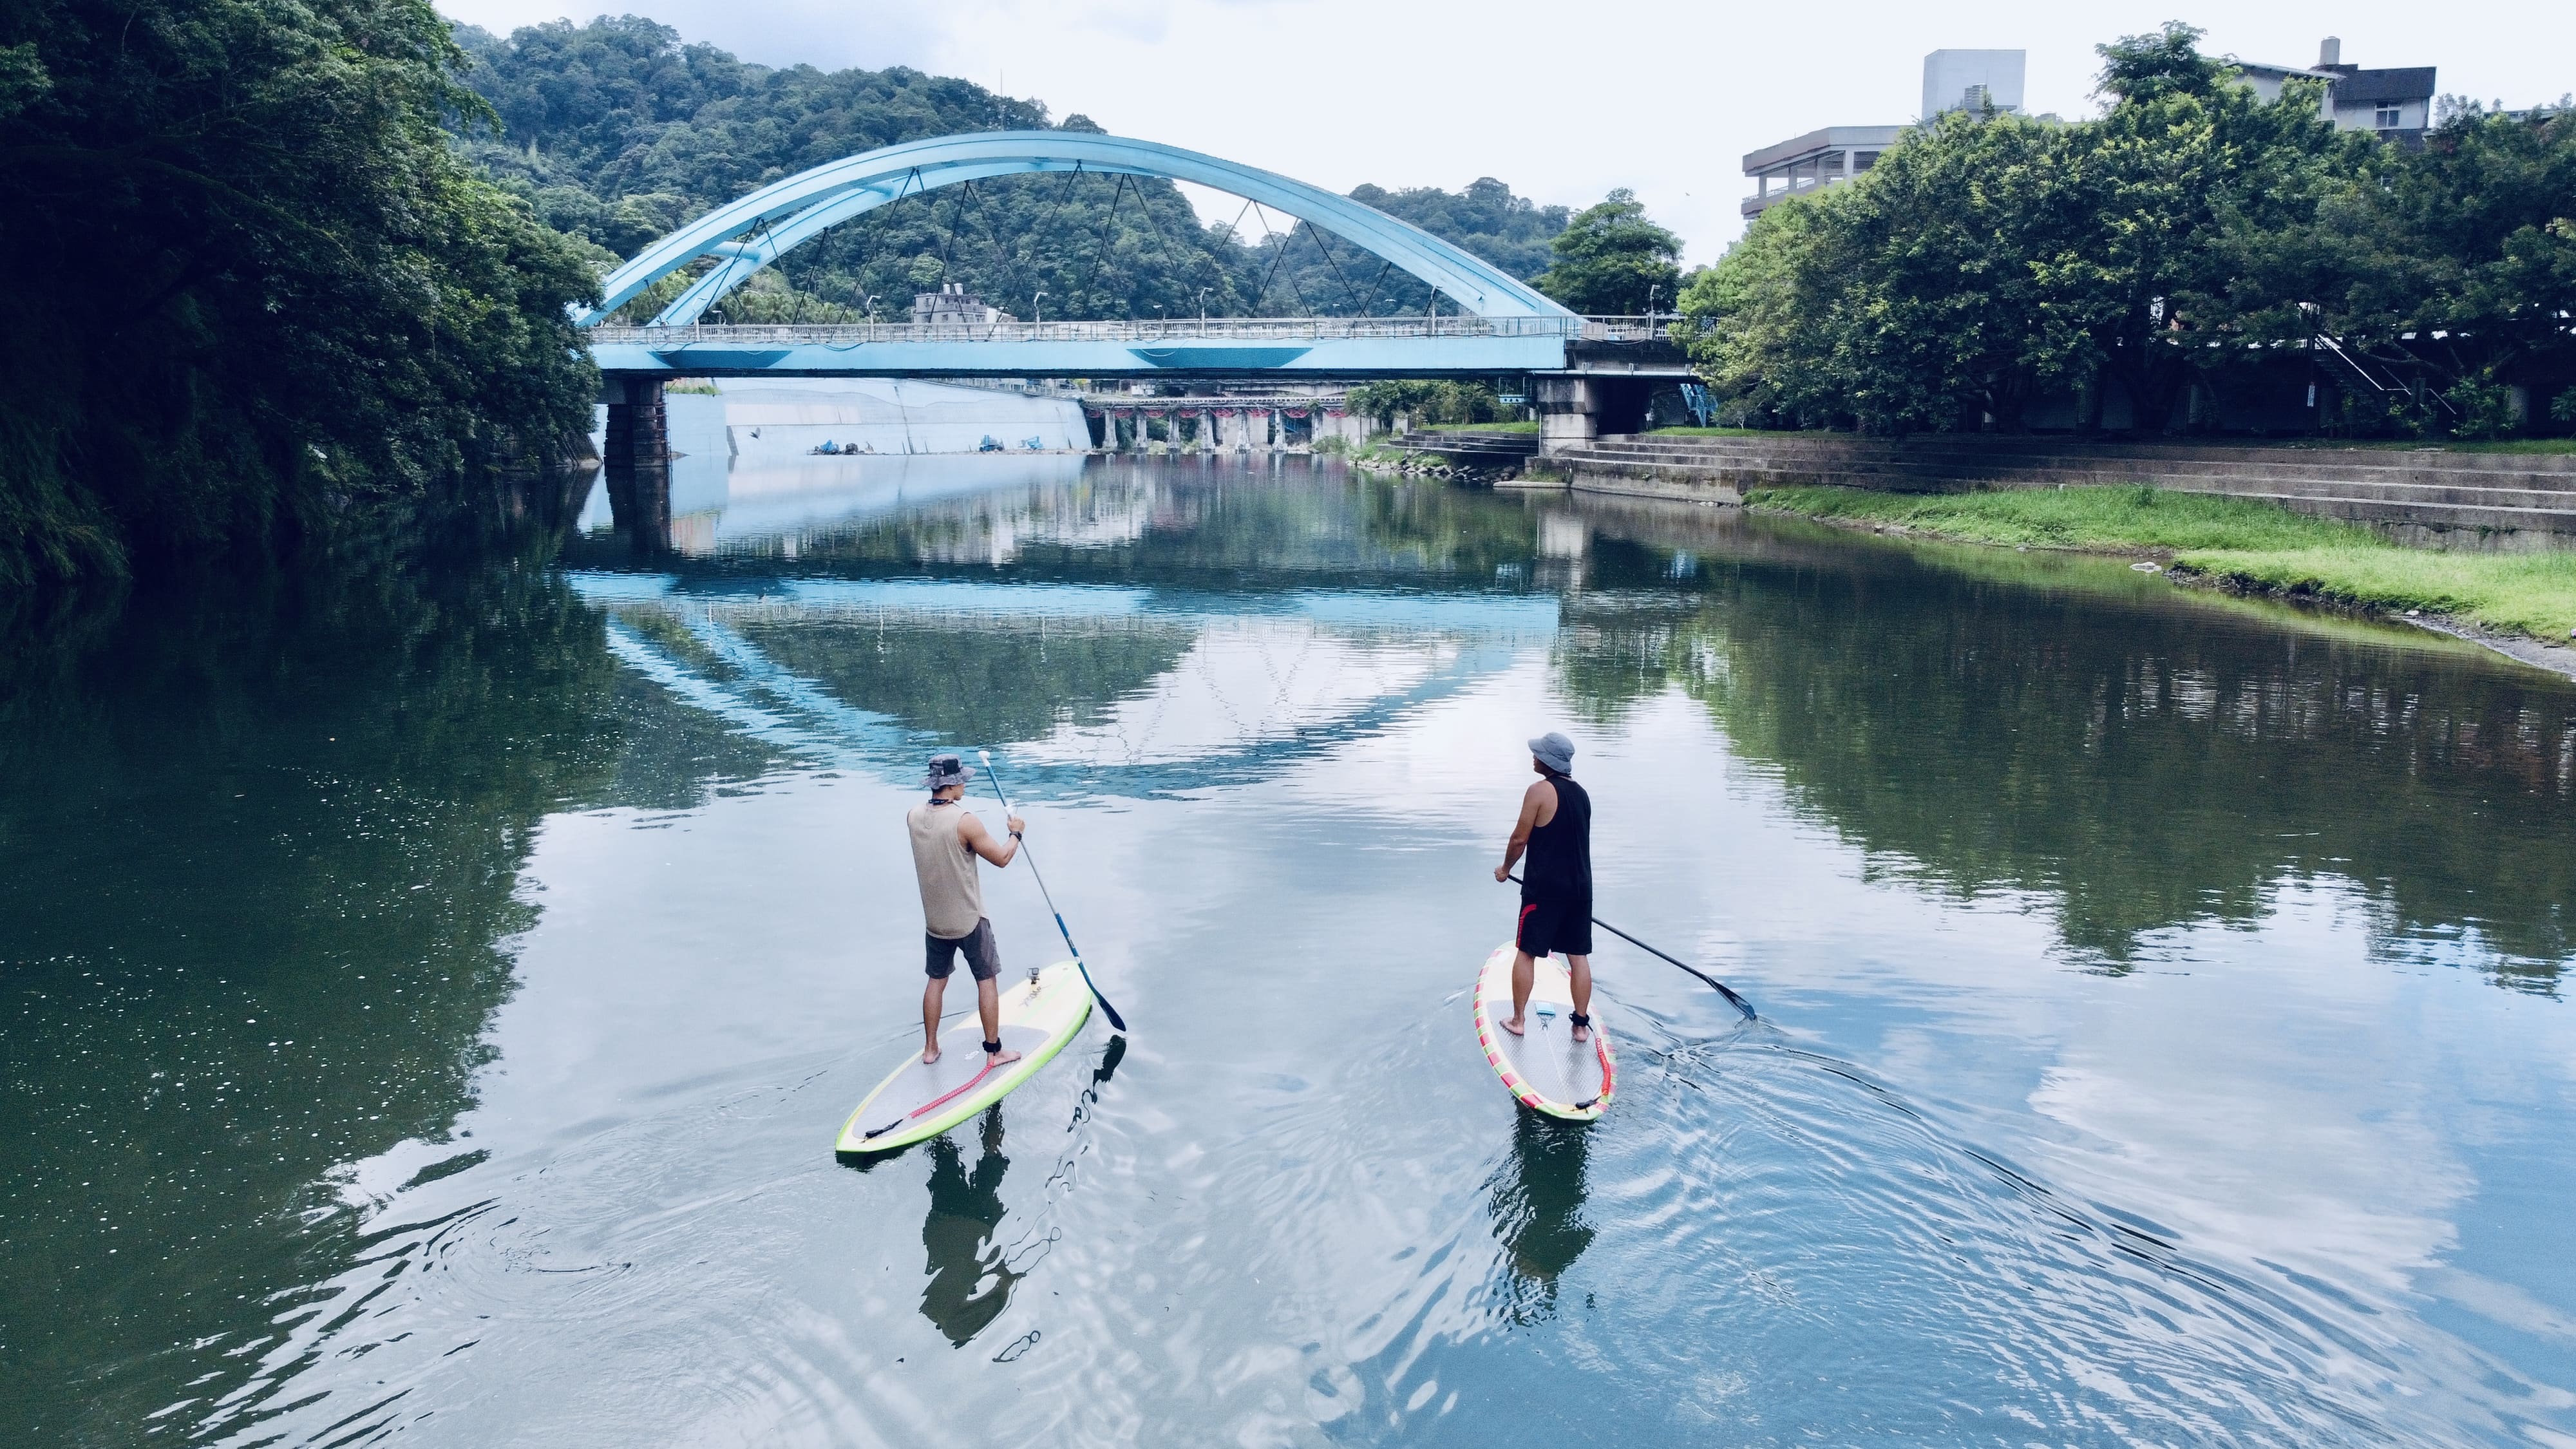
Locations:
column 982, row 957
column 1551, row 926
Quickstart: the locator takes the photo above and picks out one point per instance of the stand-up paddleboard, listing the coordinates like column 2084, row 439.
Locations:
column 918, row 1102
column 1545, row 1067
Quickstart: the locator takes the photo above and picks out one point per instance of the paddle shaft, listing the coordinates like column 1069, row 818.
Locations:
column 1741, row 1004
column 1115, row 1020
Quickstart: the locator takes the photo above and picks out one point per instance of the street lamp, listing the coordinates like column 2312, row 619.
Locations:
column 871, row 305
column 1037, row 304
column 1202, row 306
column 1650, row 303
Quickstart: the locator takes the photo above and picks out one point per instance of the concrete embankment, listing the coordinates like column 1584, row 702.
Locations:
column 2423, row 496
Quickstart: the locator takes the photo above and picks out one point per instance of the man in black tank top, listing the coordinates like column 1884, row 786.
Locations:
column 1555, row 827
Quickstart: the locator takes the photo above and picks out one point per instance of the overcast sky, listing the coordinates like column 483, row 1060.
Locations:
column 1563, row 101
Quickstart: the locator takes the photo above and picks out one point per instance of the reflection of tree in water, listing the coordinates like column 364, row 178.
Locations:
column 1537, row 1203
column 2146, row 760
column 970, row 1278
column 259, row 858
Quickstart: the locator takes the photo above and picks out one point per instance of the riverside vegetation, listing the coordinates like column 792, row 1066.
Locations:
column 2231, row 540
column 2171, row 255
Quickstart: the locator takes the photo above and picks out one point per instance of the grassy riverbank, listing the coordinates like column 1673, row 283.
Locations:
column 2255, row 545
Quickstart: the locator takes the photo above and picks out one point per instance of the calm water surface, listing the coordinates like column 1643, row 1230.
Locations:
column 430, row 1000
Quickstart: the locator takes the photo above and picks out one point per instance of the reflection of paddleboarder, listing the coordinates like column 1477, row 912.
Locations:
column 946, row 841
column 965, row 1208
column 1537, row 1204
column 1555, row 827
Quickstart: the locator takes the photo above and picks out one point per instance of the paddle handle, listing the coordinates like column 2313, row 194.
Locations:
column 1116, row 1022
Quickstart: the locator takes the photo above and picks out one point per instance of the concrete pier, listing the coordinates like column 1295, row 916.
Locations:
column 639, row 434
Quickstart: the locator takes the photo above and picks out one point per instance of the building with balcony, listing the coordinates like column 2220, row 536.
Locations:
column 1952, row 80
column 1818, row 158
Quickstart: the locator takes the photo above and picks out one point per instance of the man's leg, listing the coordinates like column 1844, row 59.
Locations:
column 988, row 1004
column 930, row 998
column 1581, row 967
column 1524, row 971
column 984, row 958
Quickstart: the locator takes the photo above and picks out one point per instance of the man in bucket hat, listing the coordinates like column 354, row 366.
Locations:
column 946, row 840
column 1555, row 827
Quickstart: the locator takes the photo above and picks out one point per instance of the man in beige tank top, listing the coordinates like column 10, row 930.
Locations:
column 945, row 843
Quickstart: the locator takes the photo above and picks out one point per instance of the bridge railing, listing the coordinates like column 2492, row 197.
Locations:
column 1244, row 329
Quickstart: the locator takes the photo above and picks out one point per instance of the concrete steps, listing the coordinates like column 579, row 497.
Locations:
column 2513, row 493
column 1480, row 447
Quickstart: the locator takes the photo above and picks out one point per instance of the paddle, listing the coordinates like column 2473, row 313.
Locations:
column 1741, row 1004
column 1115, row 1020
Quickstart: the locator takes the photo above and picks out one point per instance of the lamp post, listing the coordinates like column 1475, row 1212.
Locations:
column 1202, row 309
column 1037, row 305
column 1650, row 305
column 871, row 305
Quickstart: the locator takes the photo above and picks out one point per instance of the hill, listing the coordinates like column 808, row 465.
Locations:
column 618, row 132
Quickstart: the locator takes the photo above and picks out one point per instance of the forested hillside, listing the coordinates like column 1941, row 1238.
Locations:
column 617, row 132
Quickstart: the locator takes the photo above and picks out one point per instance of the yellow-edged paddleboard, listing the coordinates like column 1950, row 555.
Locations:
column 917, row 1102
column 1545, row 1067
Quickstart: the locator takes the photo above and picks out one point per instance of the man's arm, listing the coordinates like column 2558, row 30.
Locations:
column 980, row 840
column 1531, row 800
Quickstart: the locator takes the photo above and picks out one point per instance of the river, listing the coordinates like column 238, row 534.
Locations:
column 431, row 995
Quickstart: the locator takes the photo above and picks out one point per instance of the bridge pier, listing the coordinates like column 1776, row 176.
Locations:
column 1575, row 410
column 639, row 433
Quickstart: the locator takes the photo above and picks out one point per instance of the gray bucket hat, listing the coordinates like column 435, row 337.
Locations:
column 946, row 770
column 1554, row 751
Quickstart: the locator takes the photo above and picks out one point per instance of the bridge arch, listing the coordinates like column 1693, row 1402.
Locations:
column 749, row 234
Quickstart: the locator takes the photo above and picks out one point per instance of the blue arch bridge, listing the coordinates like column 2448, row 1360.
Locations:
column 1586, row 373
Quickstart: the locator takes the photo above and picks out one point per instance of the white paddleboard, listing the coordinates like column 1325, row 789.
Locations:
column 1545, row 1067
column 917, row 1102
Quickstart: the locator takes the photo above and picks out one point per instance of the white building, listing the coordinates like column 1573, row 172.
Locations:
column 1952, row 80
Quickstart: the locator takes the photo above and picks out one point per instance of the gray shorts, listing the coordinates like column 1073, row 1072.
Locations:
column 983, row 958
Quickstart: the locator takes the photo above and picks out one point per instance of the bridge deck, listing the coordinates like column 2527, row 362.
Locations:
column 1216, row 347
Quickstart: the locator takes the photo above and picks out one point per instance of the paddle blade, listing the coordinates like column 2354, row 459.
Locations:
column 1116, row 1022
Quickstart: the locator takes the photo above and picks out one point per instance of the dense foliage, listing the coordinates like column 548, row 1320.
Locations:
column 1610, row 261
column 1428, row 403
column 253, row 281
column 2161, row 265
column 616, row 133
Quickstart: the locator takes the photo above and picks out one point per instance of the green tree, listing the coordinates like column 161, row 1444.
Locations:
column 1612, row 261
column 256, row 284
column 2453, row 268
column 1988, row 259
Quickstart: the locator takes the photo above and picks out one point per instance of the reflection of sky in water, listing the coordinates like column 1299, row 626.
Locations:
column 2282, row 1176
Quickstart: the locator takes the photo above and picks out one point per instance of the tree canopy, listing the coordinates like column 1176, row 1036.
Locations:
column 1610, row 261
column 2182, row 248
column 254, row 280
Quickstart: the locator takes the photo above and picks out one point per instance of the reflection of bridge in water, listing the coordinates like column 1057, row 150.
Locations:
column 1172, row 691
column 1584, row 368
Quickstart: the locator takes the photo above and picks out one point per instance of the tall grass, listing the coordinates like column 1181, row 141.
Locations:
column 2257, row 545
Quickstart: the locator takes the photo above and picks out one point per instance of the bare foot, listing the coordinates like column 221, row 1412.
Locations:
column 1583, row 1033
column 930, row 1054
column 1513, row 1025
column 1000, row 1058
